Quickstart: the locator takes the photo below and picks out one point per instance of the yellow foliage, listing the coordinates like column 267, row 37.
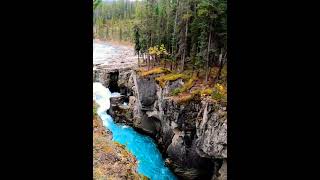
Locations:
column 157, row 51
column 153, row 50
column 220, row 87
column 205, row 92
column 219, row 93
column 163, row 50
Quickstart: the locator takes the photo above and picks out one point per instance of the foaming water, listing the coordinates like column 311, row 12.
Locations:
column 150, row 162
column 103, row 52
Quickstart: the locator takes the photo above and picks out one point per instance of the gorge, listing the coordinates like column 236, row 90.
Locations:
column 191, row 135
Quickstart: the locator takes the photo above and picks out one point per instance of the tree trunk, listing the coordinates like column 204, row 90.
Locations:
column 144, row 58
column 207, row 68
column 185, row 48
column 220, row 67
column 148, row 61
column 182, row 62
column 138, row 59
column 192, row 70
column 174, row 28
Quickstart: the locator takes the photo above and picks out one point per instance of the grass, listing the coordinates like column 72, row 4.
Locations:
column 157, row 70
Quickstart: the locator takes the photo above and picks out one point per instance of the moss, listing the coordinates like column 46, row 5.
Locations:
column 185, row 98
column 185, row 87
column 196, row 92
column 170, row 77
column 176, row 91
column 157, row 70
column 207, row 91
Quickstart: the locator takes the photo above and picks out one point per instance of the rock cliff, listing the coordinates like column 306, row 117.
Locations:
column 192, row 135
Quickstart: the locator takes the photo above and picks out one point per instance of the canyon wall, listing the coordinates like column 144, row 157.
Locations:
column 192, row 135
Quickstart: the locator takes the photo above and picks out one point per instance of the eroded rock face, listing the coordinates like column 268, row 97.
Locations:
column 222, row 173
column 192, row 135
column 146, row 88
column 113, row 77
column 102, row 76
column 212, row 133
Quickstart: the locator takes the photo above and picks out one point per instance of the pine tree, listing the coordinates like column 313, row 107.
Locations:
column 137, row 45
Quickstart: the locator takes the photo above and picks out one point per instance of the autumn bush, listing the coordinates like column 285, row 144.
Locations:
column 219, row 93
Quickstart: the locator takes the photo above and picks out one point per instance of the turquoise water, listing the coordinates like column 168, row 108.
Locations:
column 150, row 162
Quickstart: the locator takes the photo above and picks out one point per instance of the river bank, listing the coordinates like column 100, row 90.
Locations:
column 110, row 159
column 114, row 43
column 150, row 161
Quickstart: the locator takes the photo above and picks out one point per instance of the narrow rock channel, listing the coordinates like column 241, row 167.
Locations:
column 191, row 137
column 150, row 162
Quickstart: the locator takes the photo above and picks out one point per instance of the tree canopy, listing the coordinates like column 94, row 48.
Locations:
column 193, row 33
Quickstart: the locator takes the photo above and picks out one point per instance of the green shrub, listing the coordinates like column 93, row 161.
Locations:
column 176, row 91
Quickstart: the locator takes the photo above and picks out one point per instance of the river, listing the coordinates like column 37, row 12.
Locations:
column 113, row 56
column 150, row 161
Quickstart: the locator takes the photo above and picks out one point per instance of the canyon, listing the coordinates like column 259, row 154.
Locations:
column 192, row 136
